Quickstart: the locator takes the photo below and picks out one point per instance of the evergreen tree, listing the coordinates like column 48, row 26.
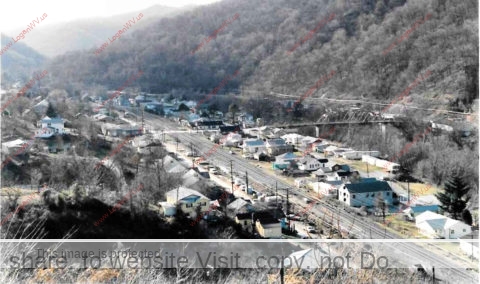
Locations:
column 233, row 109
column 452, row 198
column 51, row 111
column 467, row 217
column 183, row 107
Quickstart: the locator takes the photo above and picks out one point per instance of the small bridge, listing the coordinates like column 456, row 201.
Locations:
column 341, row 119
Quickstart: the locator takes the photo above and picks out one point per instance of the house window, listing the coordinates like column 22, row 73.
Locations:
column 245, row 222
column 189, row 205
column 388, row 193
column 203, row 204
column 452, row 231
column 353, row 196
column 464, row 230
column 344, row 200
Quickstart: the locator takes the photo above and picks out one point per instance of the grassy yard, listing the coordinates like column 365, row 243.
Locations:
column 395, row 223
column 420, row 188
column 359, row 165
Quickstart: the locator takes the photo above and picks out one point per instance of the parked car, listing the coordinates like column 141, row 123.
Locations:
column 191, row 154
column 311, row 230
column 231, row 152
column 247, row 156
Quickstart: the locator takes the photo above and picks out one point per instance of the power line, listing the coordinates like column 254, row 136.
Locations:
column 372, row 103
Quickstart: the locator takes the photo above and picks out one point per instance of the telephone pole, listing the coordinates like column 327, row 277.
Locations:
column 176, row 149
column 143, row 123
column 231, row 173
column 246, row 181
column 408, row 191
column 276, row 195
column 288, row 202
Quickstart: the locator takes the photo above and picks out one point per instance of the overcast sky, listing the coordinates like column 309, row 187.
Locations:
column 18, row 13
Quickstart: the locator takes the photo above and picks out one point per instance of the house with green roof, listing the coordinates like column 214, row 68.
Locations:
column 366, row 193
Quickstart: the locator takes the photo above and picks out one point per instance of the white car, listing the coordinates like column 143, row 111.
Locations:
column 231, row 152
column 311, row 230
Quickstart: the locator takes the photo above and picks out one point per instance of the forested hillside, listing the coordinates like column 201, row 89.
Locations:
column 87, row 33
column 258, row 42
column 19, row 61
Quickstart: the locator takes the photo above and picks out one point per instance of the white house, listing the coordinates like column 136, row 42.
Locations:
column 307, row 140
column 365, row 193
column 386, row 165
column 308, row 164
column 357, row 155
column 239, row 206
column 253, row 145
column 327, row 188
column 15, row 146
column 232, row 139
column 188, row 199
column 277, row 146
column 269, row 228
column 321, row 147
column 338, row 152
column 328, row 151
column 292, row 138
column 50, row 127
column 438, row 226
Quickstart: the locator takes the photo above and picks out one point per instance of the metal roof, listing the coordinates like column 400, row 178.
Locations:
column 375, row 186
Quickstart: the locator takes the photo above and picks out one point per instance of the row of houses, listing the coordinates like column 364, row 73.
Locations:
column 269, row 147
column 192, row 203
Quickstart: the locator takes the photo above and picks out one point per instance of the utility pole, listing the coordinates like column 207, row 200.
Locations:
column 176, row 149
column 177, row 194
column 288, row 202
column 282, row 274
column 276, row 194
column 231, row 173
column 433, row 272
column 246, row 181
column 368, row 174
column 408, row 191
column 143, row 123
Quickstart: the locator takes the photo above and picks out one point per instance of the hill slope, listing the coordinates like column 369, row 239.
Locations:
column 84, row 34
column 258, row 42
column 19, row 61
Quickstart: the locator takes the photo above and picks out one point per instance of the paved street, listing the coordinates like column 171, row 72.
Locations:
column 349, row 223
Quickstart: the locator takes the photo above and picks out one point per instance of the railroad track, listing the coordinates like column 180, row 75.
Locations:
column 345, row 221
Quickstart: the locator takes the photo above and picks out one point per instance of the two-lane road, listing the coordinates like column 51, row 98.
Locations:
column 362, row 228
